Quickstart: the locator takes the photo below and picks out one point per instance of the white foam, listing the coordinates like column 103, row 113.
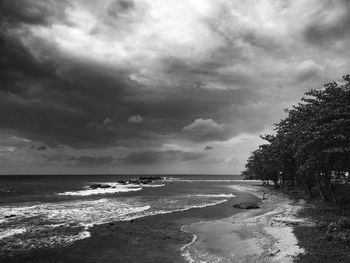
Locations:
column 113, row 188
column 85, row 212
column 216, row 195
column 185, row 249
column 80, row 236
column 98, row 191
column 50, row 217
column 186, row 207
column 11, row 232
column 151, row 185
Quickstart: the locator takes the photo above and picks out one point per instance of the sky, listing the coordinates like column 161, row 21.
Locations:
column 154, row 86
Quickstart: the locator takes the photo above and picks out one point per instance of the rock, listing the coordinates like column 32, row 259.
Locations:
column 151, row 178
column 10, row 216
column 96, row 186
column 273, row 252
column 141, row 180
column 246, row 205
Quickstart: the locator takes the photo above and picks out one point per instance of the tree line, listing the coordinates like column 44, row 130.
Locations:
column 311, row 146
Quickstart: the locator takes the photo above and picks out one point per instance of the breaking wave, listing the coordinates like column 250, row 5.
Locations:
column 110, row 188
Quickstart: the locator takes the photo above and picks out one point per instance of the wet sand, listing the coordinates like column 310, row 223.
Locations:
column 258, row 235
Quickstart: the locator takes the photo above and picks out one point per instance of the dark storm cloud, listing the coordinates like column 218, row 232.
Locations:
column 156, row 157
column 55, row 100
column 70, row 102
column 65, row 100
column 41, row 148
column 120, row 6
column 32, row 11
column 85, row 161
column 120, row 77
column 323, row 29
column 208, row 148
column 93, row 161
column 120, row 15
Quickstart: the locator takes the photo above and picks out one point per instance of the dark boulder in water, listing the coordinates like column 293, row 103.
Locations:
column 141, row 180
column 10, row 216
column 96, row 186
column 246, row 205
column 150, row 178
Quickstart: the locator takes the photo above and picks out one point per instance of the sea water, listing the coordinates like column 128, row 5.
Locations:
column 48, row 211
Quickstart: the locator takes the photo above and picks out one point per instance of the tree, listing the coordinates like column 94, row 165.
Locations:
column 312, row 144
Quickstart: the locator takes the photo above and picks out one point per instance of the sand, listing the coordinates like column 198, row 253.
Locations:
column 259, row 235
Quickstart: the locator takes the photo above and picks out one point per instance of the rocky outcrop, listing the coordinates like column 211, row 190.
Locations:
column 141, row 180
column 137, row 181
column 10, row 216
column 96, row 186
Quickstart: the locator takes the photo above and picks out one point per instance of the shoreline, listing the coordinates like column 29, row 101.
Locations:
column 258, row 235
column 219, row 233
column 185, row 254
column 155, row 238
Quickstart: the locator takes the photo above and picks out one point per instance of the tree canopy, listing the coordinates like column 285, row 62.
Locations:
column 311, row 146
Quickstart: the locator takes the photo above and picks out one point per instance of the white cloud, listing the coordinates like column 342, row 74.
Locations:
column 7, row 149
column 310, row 66
column 19, row 139
column 135, row 119
column 205, row 130
column 102, row 124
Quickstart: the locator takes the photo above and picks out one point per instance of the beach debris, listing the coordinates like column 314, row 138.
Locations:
column 246, row 205
column 273, row 252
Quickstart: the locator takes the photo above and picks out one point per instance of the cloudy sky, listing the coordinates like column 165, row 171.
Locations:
column 154, row 86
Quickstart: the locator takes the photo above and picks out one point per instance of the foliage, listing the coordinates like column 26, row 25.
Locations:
column 311, row 145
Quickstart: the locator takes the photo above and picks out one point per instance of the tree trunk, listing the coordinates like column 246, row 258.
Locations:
column 331, row 190
column 306, row 186
column 330, row 185
column 320, row 188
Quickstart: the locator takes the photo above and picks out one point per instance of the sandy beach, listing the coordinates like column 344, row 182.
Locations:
column 257, row 235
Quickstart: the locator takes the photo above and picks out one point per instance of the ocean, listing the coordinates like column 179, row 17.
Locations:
column 49, row 211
